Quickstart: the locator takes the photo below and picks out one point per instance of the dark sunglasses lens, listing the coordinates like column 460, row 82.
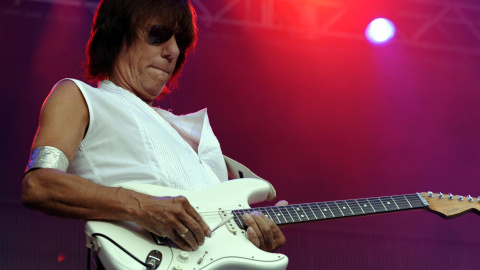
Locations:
column 158, row 34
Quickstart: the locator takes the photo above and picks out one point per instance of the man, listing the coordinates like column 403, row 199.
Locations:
column 89, row 139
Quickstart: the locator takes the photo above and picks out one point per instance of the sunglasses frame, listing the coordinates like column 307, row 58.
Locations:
column 162, row 38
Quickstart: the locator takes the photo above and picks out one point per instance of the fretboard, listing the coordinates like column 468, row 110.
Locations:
column 334, row 209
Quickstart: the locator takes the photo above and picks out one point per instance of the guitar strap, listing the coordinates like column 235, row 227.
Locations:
column 236, row 170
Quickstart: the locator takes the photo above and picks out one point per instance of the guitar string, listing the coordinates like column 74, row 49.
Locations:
column 350, row 203
column 295, row 218
column 403, row 200
column 325, row 204
column 286, row 210
column 311, row 214
column 326, row 213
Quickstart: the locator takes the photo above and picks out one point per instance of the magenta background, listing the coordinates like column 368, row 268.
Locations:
column 328, row 119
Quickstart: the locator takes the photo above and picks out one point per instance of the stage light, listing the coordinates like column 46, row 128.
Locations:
column 380, row 30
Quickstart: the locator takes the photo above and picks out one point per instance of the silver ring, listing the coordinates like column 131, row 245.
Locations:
column 184, row 234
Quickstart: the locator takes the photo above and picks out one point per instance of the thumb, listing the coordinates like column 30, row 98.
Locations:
column 281, row 203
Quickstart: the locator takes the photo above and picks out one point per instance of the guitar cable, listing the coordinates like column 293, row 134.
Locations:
column 148, row 266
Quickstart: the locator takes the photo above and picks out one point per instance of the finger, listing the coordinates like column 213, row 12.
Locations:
column 196, row 216
column 179, row 241
column 194, row 222
column 250, row 221
column 277, row 235
column 281, row 203
column 188, row 237
column 252, row 236
column 264, row 226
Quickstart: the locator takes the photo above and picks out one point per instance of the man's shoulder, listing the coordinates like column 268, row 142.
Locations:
column 65, row 94
column 72, row 84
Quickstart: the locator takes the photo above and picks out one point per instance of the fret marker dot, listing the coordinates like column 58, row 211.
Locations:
column 364, row 205
column 325, row 210
column 302, row 215
column 278, row 214
column 388, row 202
column 298, row 208
column 344, row 207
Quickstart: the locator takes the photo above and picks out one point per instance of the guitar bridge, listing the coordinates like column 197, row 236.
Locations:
column 230, row 226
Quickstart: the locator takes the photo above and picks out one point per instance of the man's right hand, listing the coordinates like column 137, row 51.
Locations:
column 172, row 217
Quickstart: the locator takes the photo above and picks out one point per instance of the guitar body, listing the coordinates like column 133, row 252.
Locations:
column 228, row 248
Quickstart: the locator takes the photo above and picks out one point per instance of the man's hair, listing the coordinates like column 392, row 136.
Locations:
column 116, row 21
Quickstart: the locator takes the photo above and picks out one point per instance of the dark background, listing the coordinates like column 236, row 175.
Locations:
column 300, row 98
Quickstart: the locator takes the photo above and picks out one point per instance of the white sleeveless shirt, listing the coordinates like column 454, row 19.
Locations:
column 129, row 141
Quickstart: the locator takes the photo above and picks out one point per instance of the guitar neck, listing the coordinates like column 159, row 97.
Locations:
column 296, row 213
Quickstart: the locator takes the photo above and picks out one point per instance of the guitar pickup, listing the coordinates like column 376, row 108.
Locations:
column 230, row 224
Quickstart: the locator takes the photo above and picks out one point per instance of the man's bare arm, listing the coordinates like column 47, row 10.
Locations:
column 63, row 123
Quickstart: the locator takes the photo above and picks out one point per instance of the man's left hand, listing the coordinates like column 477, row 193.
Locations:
column 263, row 232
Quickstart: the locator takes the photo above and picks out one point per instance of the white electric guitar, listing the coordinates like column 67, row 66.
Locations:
column 229, row 248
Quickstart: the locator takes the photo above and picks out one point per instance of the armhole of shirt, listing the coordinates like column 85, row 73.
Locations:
column 85, row 93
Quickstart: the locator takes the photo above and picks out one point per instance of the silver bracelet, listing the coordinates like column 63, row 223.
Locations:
column 47, row 157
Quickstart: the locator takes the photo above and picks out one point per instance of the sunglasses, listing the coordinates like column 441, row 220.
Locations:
column 159, row 34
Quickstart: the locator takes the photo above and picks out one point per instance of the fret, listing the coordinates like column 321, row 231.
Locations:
column 303, row 210
column 345, row 208
column 361, row 208
column 391, row 197
column 284, row 209
column 388, row 204
column 408, row 201
column 279, row 213
column 371, row 206
column 367, row 206
column 271, row 215
column 379, row 199
column 353, row 213
column 262, row 210
column 238, row 218
column 377, row 204
column 339, row 208
column 298, row 216
column 355, row 207
column 326, row 211
column 321, row 211
column 313, row 212
column 402, row 202
column 336, row 212
column 308, row 213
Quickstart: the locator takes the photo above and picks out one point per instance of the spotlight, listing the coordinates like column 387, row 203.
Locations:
column 380, row 30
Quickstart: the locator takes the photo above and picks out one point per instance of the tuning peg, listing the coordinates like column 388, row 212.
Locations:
column 460, row 198
column 469, row 198
column 430, row 194
column 478, row 199
column 450, row 196
column 440, row 195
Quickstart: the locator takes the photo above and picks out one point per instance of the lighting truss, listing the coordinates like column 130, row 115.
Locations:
column 445, row 25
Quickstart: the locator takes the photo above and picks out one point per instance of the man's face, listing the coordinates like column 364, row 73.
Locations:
column 143, row 68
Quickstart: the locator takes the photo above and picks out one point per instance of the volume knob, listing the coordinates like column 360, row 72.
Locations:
column 183, row 257
column 177, row 267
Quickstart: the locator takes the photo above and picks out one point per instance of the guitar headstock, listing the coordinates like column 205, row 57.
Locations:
column 450, row 205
